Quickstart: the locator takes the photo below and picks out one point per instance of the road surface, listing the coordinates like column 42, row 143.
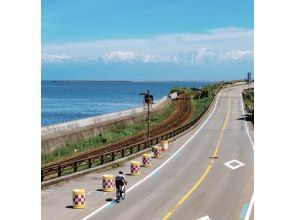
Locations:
column 206, row 174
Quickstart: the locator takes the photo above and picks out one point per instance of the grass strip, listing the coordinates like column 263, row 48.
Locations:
column 199, row 104
column 104, row 138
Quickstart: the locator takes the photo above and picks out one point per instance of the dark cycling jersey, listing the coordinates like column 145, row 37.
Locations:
column 119, row 180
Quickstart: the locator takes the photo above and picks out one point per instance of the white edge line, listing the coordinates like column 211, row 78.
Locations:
column 158, row 168
column 252, row 198
column 249, row 208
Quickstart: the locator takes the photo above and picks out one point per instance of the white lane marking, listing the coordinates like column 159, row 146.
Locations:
column 158, row 168
column 246, row 123
column 204, row 218
column 229, row 164
column 249, row 208
column 252, row 145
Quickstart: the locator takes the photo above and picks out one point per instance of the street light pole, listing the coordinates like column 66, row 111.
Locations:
column 148, row 98
column 249, row 79
column 148, row 115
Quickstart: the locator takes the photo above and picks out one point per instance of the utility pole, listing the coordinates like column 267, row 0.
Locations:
column 249, row 79
column 148, row 114
column 148, row 99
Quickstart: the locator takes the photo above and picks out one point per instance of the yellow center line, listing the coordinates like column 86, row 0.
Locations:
column 222, row 130
column 182, row 200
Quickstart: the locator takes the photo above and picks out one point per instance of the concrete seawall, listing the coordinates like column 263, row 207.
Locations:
column 55, row 136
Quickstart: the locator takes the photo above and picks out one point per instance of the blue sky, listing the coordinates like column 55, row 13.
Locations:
column 112, row 39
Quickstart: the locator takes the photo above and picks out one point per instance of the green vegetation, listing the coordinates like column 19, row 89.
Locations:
column 201, row 93
column 200, row 104
column 180, row 90
column 248, row 96
column 201, row 97
column 102, row 139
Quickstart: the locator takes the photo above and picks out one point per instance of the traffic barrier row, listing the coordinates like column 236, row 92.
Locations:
column 79, row 195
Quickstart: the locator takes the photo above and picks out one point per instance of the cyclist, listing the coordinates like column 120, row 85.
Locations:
column 120, row 183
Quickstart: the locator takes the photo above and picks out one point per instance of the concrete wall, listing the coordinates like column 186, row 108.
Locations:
column 58, row 135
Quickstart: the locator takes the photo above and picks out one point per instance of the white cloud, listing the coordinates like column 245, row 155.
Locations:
column 48, row 58
column 199, row 56
column 202, row 55
column 130, row 56
column 127, row 56
column 212, row 35
column 237, row 55
column 221, row 44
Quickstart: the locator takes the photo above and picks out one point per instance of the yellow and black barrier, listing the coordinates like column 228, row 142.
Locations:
column 107, row 183
column 135, row 168
column 146, row 160
column 164, row 145
column 157, row 150
column 79, row 198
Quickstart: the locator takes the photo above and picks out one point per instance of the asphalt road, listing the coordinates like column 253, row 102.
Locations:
column 190, row 181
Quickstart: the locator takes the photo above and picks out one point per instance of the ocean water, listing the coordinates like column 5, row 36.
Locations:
column 64, row 101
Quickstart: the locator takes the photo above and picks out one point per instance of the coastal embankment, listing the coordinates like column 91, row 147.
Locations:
column 58, row 135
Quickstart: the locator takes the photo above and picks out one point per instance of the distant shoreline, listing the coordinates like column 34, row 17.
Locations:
column 67, row 100
column 153, row 81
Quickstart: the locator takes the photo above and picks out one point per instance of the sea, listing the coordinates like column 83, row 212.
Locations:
column 63, row 101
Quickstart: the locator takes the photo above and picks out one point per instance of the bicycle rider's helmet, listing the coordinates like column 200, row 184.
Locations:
column 120, row 172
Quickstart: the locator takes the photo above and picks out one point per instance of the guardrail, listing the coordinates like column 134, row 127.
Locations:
column 111, row 155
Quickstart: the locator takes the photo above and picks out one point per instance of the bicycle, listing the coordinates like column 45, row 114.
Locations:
column 121, row 193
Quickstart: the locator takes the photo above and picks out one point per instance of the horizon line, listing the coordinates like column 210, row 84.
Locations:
column 86, row 80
